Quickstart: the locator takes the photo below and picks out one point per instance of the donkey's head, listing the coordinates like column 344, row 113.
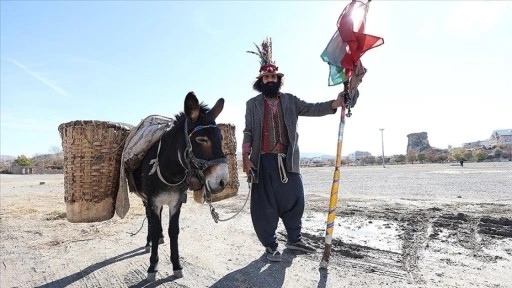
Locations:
column 204, row 145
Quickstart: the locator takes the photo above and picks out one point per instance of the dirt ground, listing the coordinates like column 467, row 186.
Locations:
column 435, row 225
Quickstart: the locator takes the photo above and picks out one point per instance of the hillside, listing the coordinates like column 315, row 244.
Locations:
column 6, row 158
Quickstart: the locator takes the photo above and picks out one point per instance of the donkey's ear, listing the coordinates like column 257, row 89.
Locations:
column 191, row 106
column 215, row 111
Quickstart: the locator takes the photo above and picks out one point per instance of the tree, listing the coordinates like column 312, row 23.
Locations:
column 498, row 153
column 411, row 156
column 55, row 150
column 507, row 152
column 400, row 158
column 468, row 155
column 441, row 158
column 421, row 157
column 431, row 156
column 481, row 155
column 369, row 160
column 23, row 160
column 4, row 167
column 457, row 156
column 57, row 157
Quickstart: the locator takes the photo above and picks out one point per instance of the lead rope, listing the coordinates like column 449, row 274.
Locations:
column 141, row 226
column 215, row 215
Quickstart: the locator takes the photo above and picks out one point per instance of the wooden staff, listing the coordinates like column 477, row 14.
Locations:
column 333, row 202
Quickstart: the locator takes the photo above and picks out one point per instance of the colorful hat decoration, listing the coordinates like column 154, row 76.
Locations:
column 265, row 53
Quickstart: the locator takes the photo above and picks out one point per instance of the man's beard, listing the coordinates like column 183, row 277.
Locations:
column 270, row 89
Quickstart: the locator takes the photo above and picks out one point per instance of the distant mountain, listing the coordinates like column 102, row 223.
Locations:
column 316, row 155
column 328, row 156
column 6, row 158
column 47, row 156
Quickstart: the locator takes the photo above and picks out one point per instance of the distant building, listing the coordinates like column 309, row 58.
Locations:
column 22, row 170
column 498, row 137
column 503, row 136
column 15, row 169
column 474, row 144
column 317, row 162
column 358, row 155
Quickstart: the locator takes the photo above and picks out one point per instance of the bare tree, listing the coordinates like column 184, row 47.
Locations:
column 55, row 149
column 411, row 156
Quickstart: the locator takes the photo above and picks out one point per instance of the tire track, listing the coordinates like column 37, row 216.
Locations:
column 414, row 239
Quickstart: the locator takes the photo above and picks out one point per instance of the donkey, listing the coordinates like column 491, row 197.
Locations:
column 188, row 156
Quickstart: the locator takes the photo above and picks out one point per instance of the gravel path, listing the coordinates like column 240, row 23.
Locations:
column 432, row 225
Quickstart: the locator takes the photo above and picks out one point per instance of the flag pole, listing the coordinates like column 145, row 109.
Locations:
column 333, row 202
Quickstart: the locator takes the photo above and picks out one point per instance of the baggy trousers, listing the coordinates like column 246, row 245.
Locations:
column 272, row 199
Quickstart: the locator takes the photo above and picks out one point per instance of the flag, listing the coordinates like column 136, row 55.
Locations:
column 349, row 43
column 332, row 55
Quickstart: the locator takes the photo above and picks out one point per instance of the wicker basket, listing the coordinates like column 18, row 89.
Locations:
column 92, row 159
column 229, row 149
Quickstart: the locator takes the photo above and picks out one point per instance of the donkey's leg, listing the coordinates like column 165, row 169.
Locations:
column 161, row 240
column 148, row 237
column 174, row 231
column 156, row 230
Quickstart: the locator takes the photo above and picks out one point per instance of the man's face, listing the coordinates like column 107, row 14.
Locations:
column 270, row 86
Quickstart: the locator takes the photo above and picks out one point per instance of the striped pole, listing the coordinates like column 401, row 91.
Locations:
column 336, row 178
column 333, row 202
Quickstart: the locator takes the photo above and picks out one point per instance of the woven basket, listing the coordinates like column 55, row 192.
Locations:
column 229, row 149
column 92, row 159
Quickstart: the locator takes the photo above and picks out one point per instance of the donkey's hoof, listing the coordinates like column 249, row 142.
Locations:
column 151, row 276
column 161, row 241
column 178, row 273
column 147, row 249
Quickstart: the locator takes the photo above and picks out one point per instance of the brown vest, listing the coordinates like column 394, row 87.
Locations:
column 275, row 134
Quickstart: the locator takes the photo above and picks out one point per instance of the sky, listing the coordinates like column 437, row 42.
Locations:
column 444, row 69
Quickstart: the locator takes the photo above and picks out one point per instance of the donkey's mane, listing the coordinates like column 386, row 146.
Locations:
column 203, row 108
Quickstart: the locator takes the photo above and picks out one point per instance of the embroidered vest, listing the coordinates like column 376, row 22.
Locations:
column 275, row 134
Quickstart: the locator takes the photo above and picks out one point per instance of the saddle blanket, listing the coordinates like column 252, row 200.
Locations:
column 138, row 142
column 142, row 137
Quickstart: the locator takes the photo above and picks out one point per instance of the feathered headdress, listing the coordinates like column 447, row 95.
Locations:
column 265, row 53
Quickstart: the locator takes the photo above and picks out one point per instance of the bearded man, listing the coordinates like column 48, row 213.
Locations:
column 271, row 156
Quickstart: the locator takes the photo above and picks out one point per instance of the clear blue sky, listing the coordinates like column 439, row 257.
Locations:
column 445, row 67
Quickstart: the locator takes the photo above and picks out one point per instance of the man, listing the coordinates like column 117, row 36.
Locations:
column 271, row 156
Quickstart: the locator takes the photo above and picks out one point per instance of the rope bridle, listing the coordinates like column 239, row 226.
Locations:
column 197, row 166
column 192, row 165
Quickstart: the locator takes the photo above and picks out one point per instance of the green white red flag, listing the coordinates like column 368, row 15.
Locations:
column 349, row 43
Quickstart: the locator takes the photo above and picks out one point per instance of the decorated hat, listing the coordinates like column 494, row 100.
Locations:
column 265, row 53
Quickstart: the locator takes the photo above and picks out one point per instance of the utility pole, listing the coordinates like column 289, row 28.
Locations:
column 382, row 138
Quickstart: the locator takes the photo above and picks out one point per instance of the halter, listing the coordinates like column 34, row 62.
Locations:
column 200, row 164
column 193, row 165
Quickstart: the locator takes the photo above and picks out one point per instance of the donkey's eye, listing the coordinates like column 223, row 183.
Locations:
column 202, row 139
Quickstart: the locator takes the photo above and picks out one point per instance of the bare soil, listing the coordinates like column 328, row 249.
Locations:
column 432, row 225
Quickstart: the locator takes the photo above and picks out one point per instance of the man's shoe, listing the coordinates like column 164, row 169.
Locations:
column 274, row 255
column 300, row 246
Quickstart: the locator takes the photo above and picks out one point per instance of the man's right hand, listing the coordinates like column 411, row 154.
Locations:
column 247, row 164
